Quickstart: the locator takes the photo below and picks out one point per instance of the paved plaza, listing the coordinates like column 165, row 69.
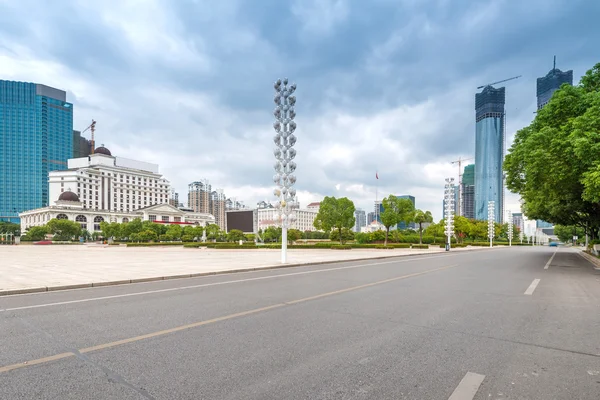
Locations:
column 28, row 267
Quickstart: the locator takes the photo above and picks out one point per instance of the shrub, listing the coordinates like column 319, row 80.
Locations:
column 341, row 247
column 380, row 246
column 419, row 246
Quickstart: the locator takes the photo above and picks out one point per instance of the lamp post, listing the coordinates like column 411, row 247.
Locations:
column 521, row 236
column 510, row 228
column 449, row 210
column 491, row 222
column 284, row 140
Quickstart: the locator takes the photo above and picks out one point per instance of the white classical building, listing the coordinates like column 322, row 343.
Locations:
column 104, row 182
column 304, row 219
column 69, row 207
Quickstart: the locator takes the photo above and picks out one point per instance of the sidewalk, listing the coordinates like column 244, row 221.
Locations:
column 29, row 269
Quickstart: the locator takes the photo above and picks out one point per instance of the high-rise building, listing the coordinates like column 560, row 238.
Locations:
column 547, row 85
column 36, row 137
column 468, row 192
column 370, row 217
column 360, row 219
column 202, row 199
column 81, row 146
column 489, row 152
column 517, row 220
column 104, row 182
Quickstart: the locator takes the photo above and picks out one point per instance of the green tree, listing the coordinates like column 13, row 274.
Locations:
column 147, row 235
column 110, row 230
column 272, row 234
column 63, row 229
column 293, row 235
column 421, row 217
column 435, row 230
column 362, row 237
column 9, row 227
column 395, row 210
column 250, row 237
column 235, row 235
column 128, row 228
column 347, row 234
column 36, row 233
column 212, row 231
column 565, row 233
column 553, row 163
column 462, row 228
column 174, row 231
column 335, row 214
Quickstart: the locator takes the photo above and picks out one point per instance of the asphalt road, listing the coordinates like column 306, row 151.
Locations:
column 490, row 324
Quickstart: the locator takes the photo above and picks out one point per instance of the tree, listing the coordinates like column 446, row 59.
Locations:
column 435, row 230
column 272, row 234
column 131, row 227
column 565, row 233
column 174, row 231
column 235, row 235
column 421, row 217
column 462, row 228
column 212, row 231
column 63, row 229
column 335, row 214
column 36, row 233
column 553, row 163
column 293, row 235
column 9, row 227
column 110, row 230
column 347, row 234
column 147, row 235
column 395, row 210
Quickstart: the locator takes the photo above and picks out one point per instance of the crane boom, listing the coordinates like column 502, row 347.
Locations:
column 92, row 127
column 495, row 83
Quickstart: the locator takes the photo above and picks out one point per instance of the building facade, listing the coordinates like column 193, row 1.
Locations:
column 305, row 219
column 468, row 192
column 105, row 182
column 201, row 198
column 68, row 206
column 489, row 152
column 517, row 220
column 370, row 217
column 360, row 219
column 82, row 147
column 547, row 85
column 36, row 137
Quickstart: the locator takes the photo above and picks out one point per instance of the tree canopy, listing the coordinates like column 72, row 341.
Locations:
column 395, row 210
column 422, row 217
column 554, row 163
column 335, row 214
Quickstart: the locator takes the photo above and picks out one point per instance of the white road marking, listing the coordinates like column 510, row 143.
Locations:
column 550, row 260
column 468, row 387
column 216, row 283
column 532, row 287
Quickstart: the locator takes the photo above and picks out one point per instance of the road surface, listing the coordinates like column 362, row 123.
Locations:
column 506, row 323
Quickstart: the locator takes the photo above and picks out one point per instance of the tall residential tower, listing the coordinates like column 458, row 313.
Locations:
column 36, row 137
column 489, row 152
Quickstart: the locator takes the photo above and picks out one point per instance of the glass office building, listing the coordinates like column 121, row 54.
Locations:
column 468, row 192
column 489, row 152
column 36, row 137
column 547, row 85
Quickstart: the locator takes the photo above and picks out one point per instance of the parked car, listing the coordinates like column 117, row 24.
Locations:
column 553, row 244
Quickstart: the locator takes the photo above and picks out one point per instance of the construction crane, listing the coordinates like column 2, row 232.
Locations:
column 495, row 83
column 91, row 128
column 460, row 174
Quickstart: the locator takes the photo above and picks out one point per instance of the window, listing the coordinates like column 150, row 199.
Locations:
column 125, row 219
column 152, row 218
column 165, row 218
column 82, row 221
column 62, row 216
column 177, row 219
column 97, row 221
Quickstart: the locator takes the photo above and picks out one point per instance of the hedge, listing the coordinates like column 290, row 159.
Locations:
column 380, row 246
column 420, row 246
column 341, row 247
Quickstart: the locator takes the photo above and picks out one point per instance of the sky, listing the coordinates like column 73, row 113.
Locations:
column 384, row 86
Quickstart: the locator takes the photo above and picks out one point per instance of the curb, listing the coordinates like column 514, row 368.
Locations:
column 201, row 274
column 592, row 260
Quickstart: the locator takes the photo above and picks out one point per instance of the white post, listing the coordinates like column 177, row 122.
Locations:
column 449, row 210
column 510, row 229
column 491, row 222
column 283, row 245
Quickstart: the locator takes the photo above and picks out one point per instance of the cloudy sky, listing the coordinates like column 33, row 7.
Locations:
column 383, row 85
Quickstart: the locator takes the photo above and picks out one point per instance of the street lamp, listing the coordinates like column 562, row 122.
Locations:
column 284, row 153
column 491, row 221
column 449, row 210
column 510, row 228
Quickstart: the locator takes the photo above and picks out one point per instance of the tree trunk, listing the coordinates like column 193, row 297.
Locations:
column 340, row 231
column 387, row 231
column 420, row 233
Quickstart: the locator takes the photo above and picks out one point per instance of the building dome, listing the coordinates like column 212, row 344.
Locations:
column 68, row 196
column 102, row 150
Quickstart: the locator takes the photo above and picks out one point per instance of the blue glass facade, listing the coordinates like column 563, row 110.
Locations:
column 489, row 152
column 547, row 85
column 36, row 137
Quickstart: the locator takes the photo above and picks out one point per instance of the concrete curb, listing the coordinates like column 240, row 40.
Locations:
column 201, row 274
column 593, row 260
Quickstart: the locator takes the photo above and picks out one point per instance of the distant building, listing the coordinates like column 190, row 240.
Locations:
column 468, row 192
column 539, row 224
column 81, row 146
column 518, row 221
column 313, row 206
column 36, row 137
column 360, row 219
column 370, row 217
column 201, row 198
column 105, row 182
column 305, row 218
column 547, row 85
column 489, row 152
column 372, row 227
column 174, row 200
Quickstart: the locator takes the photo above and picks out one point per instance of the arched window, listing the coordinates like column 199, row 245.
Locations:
column 125, row 220
column 62, row 216
column 97, row 221
column 82, row 221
